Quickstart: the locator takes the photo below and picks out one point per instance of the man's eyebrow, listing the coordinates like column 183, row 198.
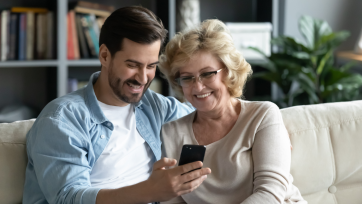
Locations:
column 154, row 63
column 134, row 61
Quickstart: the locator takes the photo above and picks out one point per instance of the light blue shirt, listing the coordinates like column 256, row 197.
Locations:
column 70, row 134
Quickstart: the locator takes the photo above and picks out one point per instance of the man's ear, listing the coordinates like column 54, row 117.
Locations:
column 104, row 56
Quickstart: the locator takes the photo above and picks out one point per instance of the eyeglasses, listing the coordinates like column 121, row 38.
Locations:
column 204, row 78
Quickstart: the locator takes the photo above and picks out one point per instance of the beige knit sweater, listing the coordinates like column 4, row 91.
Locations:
column 250, row 165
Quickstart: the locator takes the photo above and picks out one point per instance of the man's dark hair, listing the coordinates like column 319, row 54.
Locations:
column 135, row 23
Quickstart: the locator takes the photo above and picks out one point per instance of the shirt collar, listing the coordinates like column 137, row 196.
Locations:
column 138, row 104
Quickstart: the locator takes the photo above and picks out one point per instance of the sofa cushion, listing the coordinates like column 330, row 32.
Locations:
column 327, row 149
column 13, row 160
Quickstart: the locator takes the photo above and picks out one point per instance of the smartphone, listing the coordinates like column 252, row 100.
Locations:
column 192, row 153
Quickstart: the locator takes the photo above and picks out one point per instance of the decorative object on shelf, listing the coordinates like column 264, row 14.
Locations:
column 305, row 73
column 247, row 35
column 187, row 14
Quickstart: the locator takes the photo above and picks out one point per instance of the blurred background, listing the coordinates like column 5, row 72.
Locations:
column 302, row 52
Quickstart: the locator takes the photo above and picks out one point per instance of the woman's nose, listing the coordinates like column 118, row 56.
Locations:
column 198, row 85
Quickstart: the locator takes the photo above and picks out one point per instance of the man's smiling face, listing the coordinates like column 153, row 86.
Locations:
column 132, row 70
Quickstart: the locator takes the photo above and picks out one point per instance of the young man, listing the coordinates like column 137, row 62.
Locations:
column 100, row 144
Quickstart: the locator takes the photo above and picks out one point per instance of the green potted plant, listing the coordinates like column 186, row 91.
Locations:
column 305, row 73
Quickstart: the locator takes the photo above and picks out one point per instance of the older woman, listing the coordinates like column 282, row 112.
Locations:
column 247, row 146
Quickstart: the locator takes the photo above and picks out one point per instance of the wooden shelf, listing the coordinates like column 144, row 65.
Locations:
column 350, row 55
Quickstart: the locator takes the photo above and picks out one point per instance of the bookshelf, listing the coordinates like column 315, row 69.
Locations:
column 33, row 63
column 56, row 72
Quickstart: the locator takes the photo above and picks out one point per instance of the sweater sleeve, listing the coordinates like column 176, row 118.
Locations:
column 271, row 157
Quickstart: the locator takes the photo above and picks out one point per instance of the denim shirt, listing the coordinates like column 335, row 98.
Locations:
column 70, row 134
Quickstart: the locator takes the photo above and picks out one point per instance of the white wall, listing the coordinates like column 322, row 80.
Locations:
column 340, row 14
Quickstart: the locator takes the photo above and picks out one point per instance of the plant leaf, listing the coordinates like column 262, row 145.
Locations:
column 290, row 44
column 304, row 79
column 333, row 40
column 313, row 29
column 347, row 66
column 323, row 62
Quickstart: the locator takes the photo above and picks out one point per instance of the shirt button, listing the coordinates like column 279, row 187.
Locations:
column 102, row 136
column 332, row 189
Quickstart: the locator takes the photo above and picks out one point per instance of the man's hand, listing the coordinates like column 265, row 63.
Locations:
column 162, row 185
column 165, row 184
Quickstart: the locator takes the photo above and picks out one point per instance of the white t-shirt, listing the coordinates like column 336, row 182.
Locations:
column 127, row 159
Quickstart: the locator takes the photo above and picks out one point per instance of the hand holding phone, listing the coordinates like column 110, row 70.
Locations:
column 165, row 183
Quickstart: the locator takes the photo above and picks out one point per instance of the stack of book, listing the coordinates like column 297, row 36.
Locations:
column 26, row 34
column 84, row 21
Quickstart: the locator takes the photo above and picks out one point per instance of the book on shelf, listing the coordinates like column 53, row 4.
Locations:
column 70, row 44
column 28, row 9
column 5, row 25
column 91, row 8
column 30, row 35
column 26, row 34
column 72, row 38
column 72, row 85
column 41, row 34
column 81, row 38
column 22, row 36
column 50, row 35
column 93, row 31
column 88, row 37
column 13, row 35
column 92, row 11
column 91, row 5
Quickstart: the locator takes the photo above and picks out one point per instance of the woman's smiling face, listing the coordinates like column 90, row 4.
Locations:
column 205, row 96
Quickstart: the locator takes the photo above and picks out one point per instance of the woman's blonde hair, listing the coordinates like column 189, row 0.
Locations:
column 211, row 36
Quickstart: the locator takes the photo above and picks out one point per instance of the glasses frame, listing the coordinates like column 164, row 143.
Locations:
column 178, row 80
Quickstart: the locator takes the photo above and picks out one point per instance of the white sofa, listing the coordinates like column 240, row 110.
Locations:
column 326, row 155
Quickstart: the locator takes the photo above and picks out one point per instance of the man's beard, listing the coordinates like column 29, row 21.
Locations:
column 115, row 84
